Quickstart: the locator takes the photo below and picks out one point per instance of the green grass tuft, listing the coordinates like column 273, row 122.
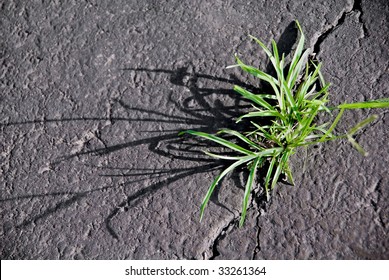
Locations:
column 297, row 98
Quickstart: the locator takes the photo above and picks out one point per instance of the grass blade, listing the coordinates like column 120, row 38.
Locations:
column 267, row 134
column 289, row 173
column 379, row 103
column 294, row 73
column 255, row 98
column 357, row 146
column 241, row 137
column 268, row 175
column 332, row 127
column 218, row 140
column 267, row 51
column 270, row 152
column 261, row 114
column 283, row 160
column 262, row 76
column 216, row 181
column 256, row 72
column 362, row 124
column 277, row 64
column 250, row 180
column 323, row 90
column 296, row 56
column 224, row 157
column 289, row 96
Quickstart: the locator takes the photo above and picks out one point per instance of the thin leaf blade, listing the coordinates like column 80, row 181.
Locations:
column 248, row 188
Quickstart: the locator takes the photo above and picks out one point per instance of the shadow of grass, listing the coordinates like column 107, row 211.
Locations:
column 205, row 117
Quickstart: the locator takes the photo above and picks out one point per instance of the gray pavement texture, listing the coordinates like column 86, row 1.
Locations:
column 93, row 94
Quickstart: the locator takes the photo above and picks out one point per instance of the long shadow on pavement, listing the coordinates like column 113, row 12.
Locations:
column 206, row 118
column 179, row 148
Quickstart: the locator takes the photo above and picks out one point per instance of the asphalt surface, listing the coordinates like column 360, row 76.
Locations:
column 93, row 94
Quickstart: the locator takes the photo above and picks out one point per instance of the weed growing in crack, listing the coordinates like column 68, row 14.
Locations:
column 298, row 97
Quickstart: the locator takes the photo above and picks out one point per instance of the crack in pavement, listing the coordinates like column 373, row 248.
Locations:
column 221, row 236
column 355, row 7
column 358, row 7
column 260, row 204
column 374, row 204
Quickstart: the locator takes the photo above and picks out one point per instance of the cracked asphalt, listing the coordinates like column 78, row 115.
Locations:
column 93, row 94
